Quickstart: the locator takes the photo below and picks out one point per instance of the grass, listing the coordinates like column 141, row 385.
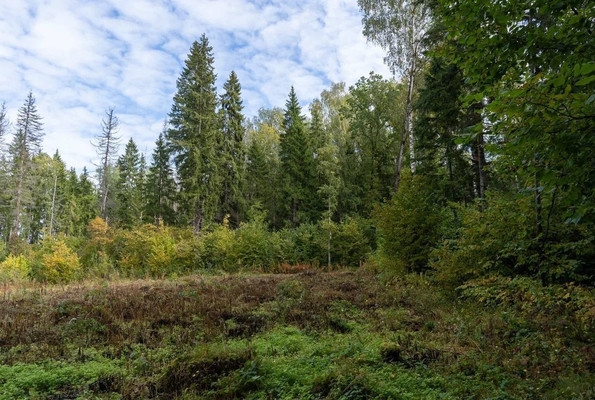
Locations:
column 349, row 334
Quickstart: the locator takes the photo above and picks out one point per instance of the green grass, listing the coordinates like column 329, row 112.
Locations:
column 347, row 334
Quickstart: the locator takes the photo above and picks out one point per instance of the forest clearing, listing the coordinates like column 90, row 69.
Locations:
column 344, row 334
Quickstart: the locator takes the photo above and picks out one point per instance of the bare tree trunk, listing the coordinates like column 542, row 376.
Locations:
column 407, row 132
column 409, row 117
column 14, row 231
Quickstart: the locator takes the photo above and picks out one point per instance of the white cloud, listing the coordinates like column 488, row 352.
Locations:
column 80, row 57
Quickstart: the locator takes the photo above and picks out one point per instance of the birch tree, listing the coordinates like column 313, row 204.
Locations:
column 400, row 27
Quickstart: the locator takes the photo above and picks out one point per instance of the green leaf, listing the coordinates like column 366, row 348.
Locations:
column 591, row 99
column 586, row 81
column 587, row 69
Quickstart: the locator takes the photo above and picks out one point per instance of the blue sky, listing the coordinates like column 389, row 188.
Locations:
column 80, row 57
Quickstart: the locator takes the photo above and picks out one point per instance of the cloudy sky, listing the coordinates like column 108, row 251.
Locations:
column 80, row 57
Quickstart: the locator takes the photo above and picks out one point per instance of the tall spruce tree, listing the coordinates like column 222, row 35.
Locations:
column 233, row 151
column 297, row 165
column 26, row 143
column 194, row 136
column 161, row 186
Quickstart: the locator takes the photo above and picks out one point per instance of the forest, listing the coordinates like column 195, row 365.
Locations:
column 461, row 191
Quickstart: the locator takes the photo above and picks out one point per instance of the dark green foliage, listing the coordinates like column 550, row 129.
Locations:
column 233, row 152
column 410, row 225
column 375, row 127
column 160, row 189
column 25, row 144
column 129, row 187
column 194, row 137
column 297, row 166
column 440, row 120
column 507, row 245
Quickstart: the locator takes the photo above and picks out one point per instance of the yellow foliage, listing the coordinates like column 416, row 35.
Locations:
column 97, row 228
column 14, row 268
column 60, row 264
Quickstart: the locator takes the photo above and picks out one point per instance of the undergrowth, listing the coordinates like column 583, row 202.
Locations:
column 348, row 334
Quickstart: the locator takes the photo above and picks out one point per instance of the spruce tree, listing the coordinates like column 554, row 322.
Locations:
column 129, row 187
column 161, row 185
column 297, row 164
column 26, row 143
column 194, row 136
column 233, row 152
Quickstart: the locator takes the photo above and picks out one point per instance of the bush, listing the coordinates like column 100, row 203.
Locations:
column 499, row 237
column 59, row 264
column 147, row 251
column 14, row 268
column 351, row 242
column 255, row 247
column 410, row 226
column 216, row 249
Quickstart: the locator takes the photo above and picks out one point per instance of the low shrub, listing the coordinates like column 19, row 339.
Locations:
column 55, row 262
column 14, row 268
column 410, row 226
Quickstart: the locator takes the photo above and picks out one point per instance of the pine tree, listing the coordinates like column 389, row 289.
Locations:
column 161, row 186
column 107, row 144
column 297, row 164
column 25, row 144
column 194, row 136
column 233, row 152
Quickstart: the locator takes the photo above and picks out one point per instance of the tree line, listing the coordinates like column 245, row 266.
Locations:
column 476, row 159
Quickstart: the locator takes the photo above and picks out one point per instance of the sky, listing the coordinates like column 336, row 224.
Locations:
column 82, row 57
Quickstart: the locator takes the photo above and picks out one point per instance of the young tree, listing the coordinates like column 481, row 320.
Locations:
column 107, row 144
column 129, row 187
column 26, row 143
column 233, row 152
column 194, row 136
column 161, row 186
column 400, row 27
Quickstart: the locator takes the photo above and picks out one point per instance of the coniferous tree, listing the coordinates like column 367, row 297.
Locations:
column 233, row 152
column 107, row 144
column 161, row 187
column 297, row 165
column 26, row 143
column 129, row 187
column 194, row 136
column 86, row 204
